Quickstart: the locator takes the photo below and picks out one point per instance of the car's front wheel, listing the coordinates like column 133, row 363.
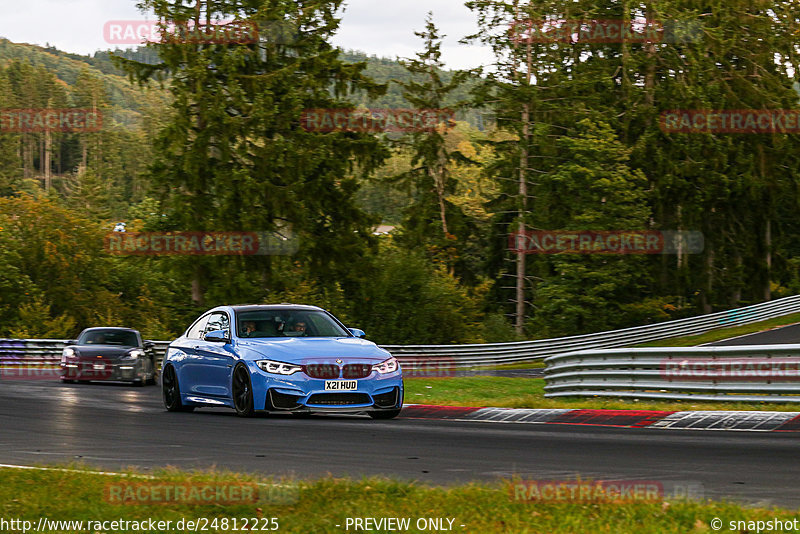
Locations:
column 171, row 392
column 242, row 392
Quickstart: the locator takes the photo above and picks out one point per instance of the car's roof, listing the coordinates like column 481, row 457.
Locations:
column 111, row 328
column 259, row 307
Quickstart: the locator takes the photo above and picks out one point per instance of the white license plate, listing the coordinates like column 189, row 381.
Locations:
column 100, row 366
column 341, row 385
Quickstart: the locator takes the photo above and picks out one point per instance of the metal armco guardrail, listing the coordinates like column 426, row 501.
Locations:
column 414, row 356
column 754, row 373
column 48, row 351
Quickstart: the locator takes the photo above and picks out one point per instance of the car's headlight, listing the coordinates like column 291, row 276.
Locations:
column 278, row 368
column 134, row 355
column 68, row 352
column 389, row 366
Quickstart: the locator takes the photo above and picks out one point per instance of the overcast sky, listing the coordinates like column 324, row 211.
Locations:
column 380, row 27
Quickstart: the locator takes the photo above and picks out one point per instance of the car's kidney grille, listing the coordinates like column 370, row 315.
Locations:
column 322, row 370
column 356, row 370
column 339, row 399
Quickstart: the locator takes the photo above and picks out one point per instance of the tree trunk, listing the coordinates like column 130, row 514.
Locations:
column 709, row 289
column 519, row 325
column 768, row 260
column 736, row 297
column 198, row 285
column 48, row 148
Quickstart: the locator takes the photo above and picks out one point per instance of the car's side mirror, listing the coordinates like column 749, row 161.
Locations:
column 72, row 342
column 217, row 336
column 148, row 345
column 357, row 332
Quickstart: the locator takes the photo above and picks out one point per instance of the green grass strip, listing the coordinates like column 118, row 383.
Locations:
column 321, row 505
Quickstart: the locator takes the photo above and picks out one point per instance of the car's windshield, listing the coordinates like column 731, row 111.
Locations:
column 287, row 323
column 123, row 338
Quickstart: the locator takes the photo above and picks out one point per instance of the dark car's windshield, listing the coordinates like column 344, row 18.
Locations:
column 287, row 323
column 122, row 338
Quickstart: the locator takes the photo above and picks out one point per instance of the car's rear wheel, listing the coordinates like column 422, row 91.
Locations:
column 171, row 392
column 242, row 392
column 385, row 414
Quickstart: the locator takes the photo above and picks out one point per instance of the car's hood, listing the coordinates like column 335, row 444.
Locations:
column 108, row 352
column 310, row 350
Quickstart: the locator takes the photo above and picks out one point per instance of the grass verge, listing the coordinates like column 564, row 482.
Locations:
column 321, row 505
column 504, row 392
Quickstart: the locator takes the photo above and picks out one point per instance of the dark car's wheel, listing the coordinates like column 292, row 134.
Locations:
column 172, row 392
column 242, row 392
column 385, row 414
column 152, row 380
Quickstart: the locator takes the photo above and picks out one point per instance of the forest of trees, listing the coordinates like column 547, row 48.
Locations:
column 552, row 136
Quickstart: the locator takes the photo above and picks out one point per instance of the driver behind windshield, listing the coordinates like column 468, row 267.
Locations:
column 249, row 328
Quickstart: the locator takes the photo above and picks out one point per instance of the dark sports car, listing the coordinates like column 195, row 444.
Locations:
column 115, row 354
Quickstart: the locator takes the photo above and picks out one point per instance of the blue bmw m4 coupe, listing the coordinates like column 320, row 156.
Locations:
column 279, row 358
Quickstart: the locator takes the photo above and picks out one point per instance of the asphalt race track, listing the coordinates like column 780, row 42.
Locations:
column 777, row 336
column 113, row 426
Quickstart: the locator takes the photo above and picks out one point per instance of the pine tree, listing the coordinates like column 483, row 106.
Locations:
column 234, row 155
column 10, row 162
column 432, row 158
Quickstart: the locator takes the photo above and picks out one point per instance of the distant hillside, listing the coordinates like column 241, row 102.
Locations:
column 384, row 70
column 127, row 99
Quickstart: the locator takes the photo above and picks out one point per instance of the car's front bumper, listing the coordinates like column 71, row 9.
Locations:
column 301, row 393
column 92, row 370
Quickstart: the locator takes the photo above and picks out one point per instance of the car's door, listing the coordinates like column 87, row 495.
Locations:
column 216, row 358
column 186, row 358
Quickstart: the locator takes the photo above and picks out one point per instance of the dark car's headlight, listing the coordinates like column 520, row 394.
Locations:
column 134, row 355
column 69, row 352
column 278, row 368
column 389, row 366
